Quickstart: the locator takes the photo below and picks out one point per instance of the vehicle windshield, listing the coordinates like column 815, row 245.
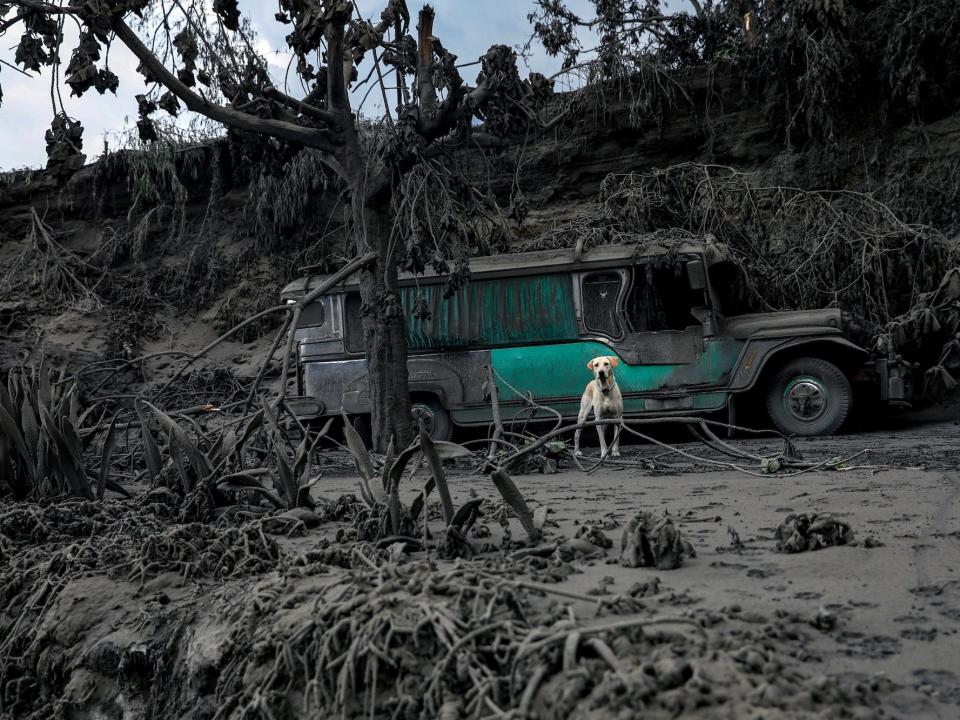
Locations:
column 729, row 284
column 661, row 299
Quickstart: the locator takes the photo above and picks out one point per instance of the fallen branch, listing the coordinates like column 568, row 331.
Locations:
column 295, row 309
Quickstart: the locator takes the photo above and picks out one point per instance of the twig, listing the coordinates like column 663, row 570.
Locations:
column 495, row 405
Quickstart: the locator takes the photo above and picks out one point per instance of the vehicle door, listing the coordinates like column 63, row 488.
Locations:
column 669, row 362
column 555, row 373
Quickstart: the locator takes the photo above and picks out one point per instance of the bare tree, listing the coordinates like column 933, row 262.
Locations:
column 201, row 54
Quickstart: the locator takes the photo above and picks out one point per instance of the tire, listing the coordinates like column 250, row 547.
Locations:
column 436, row 419
column 809, row 396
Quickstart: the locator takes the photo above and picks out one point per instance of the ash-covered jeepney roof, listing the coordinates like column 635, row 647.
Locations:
column 538, row 262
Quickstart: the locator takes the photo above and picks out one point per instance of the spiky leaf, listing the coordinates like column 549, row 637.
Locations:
column 436, row 469
column 515, row 500
column 107, row 456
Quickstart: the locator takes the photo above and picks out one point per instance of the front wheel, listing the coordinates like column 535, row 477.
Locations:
column 809, row 396
column 436, row 420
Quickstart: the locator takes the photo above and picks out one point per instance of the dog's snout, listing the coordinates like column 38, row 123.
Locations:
column 601, row 374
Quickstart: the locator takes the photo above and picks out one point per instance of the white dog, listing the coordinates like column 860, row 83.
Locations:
column 602, row 395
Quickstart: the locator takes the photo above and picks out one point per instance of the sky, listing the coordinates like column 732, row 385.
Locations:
column 466, row 28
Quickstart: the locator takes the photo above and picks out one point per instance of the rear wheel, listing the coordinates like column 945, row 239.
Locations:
column 809, row 396
column 436, row 420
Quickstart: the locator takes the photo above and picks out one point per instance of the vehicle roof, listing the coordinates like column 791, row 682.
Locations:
column 539, row 262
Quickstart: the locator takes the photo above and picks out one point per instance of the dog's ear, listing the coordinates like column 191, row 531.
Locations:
column 614, row 361
column 590, row 365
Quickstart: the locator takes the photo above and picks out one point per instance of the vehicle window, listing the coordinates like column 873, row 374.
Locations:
column 312, row 315
column 353, row 322
column 733, row 292
column 485, row 313
column 314, row 323
column 492, row 312
column 600, row 294
column 661, row 299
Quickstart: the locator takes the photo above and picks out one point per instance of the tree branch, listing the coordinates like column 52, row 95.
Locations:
column 6, row 25
column 331, row 118
column 308, row 137
column 457, row 106
column 458, row 103
column 38, row 6
column 337, row 98
column 386, row 17
column 426, row 91
column 45, row 7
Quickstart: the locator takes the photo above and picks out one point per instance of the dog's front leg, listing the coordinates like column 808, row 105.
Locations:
column 615, row 451
column 581, row 418
column 602, row 432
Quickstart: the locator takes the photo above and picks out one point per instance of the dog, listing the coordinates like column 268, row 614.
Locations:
column 602, row 395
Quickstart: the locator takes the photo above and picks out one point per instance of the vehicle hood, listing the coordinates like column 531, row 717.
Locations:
column 783, row 323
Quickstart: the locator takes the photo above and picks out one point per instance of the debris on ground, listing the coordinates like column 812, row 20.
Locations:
column 801, row 532
column 351, row 630
column 651, row 542
column 824, row 620
column 595, row 535
column 645, row 588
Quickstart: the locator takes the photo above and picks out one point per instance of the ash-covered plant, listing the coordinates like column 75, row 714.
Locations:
column 44, row 450
column 284, row 203
column 402, row 640
column 157, row 174
column 294, row 471
column 249, row 468
column 442, row 218
column 820, row 63
column 920, row 56
column 381, row 491
column 49, row 270
column 388, row 516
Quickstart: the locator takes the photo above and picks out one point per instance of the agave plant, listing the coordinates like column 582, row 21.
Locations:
column 188, row 462
column 43, row 451
column 292, row 481
column 382, row 492
column 218, row 465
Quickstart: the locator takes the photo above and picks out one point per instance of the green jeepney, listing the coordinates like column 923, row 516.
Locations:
column 536, row 319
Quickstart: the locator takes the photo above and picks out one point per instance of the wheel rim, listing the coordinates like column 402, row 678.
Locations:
column 806, row 398
column 418, row 412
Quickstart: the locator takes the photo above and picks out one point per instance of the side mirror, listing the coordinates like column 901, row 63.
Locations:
column 697, row 275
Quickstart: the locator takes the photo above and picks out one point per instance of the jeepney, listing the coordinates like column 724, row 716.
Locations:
column 537, row 318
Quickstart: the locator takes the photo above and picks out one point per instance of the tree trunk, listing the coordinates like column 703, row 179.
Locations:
column 385, row 336
column 384, row 323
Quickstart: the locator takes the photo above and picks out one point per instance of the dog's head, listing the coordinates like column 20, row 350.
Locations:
column 603, row 367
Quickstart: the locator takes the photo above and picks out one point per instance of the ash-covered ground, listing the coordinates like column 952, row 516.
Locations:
column 125, row 609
